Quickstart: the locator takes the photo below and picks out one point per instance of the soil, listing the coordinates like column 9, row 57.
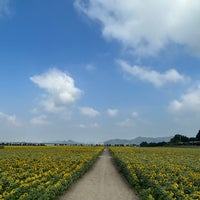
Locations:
column 101, row 182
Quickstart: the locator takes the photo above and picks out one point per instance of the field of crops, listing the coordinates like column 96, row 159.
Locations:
column 42, row 172
column 161, row 173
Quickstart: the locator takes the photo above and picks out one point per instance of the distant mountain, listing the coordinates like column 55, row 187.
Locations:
column 138, row 140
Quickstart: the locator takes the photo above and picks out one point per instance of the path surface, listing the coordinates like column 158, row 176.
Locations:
column 101, row 182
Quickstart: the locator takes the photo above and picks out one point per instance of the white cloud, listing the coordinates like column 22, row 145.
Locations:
column 146, row 27
column 112, row 112
column 156, row 78
column 135, row 114
column 126, row 123
column 90, row 67
column 82, row 126
column 188, row 102
column 59, row 88
column 90, row 112
column 4, row 8
column 9, row 119
column 92, row 125
column 34, row 111
column 40, row 120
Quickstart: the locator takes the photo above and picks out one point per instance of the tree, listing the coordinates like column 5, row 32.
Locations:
column 198, row 136
column 179, row 138
column 144, row 144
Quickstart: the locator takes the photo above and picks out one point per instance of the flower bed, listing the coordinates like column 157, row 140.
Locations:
column 42, row 172
column 161, row 173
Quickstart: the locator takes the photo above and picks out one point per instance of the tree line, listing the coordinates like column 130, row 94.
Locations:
column 177, row 140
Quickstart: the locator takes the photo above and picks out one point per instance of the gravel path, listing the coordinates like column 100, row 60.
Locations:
column 101, row 182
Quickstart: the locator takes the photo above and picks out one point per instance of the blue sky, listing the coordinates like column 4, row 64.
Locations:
column 92, row 70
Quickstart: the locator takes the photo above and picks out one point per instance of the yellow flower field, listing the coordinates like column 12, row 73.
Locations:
column 161, row 173
column 42, row 172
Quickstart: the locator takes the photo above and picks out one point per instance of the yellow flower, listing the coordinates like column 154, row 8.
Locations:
column 38, row 167
column 166, row 167
column 175, row 185
column 150, row 197
column 23, row 196
column 13, row 191
column 5, row 193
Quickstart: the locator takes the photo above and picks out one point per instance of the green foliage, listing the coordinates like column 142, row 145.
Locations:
column 198, row 136
column 179, row 138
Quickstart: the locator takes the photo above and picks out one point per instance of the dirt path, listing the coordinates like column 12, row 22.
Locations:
column 102, row 182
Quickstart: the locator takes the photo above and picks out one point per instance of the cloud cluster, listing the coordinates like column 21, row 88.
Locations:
column 92, row 125
column 59, row 88
column 89, row 112
column 40, row 120
column 9, row 119
column 4, row 8
column 126, row 123
column 90, row 67
column 112, row 112
column 152, row 76
column 146, row 27
column 188, row 102
column 135, row 114
column 130, row 121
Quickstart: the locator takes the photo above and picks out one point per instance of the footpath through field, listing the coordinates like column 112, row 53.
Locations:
column 101, row 182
